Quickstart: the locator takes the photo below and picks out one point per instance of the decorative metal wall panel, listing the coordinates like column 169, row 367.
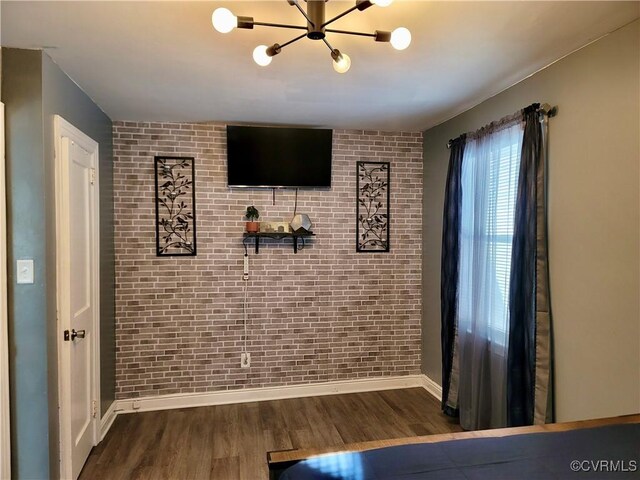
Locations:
column 372, row 208
column 175, row 206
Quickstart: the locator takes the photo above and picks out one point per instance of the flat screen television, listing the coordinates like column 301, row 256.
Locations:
column 274, row 157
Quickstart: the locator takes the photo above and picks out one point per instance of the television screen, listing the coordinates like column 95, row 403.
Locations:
column 278, row 157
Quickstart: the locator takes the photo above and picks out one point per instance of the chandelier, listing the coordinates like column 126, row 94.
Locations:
column 316, row 29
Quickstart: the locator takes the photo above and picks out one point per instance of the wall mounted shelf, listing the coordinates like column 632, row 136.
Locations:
column 278, row 236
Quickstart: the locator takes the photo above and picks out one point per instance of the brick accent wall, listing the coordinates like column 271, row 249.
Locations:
column 326, row 313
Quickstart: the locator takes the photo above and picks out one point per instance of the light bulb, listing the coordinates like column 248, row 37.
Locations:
column 342, row 64
column 382, row 3
column 260, row 56
column 400, row 38
column 223, row 20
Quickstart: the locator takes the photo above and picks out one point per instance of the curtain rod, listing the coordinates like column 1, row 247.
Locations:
column 544, row 109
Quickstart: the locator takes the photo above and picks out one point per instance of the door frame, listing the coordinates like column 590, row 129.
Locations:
column 5, row 429
column 63, row 128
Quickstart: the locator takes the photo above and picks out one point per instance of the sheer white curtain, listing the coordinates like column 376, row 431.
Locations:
column 490, row 170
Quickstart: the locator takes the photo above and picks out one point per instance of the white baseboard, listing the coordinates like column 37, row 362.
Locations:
column 187, row 400
column 432, row 387
column 107, row 419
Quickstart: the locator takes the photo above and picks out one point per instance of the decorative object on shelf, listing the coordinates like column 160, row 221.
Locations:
column 175, row 206
column 316, row 29
column 301, row 223
column 372, row 207
column 274, row 227
column 252, row 215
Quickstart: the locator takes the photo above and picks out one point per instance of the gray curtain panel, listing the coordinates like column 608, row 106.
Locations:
column 449, row 273
column 529, row 379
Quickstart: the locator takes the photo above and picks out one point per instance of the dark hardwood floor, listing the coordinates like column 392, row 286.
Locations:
column 230, row 442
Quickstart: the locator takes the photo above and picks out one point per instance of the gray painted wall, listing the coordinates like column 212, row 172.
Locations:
column 594, row 227
column 34, row 90
column 26, row 229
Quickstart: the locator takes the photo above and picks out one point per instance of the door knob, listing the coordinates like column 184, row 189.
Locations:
column 79, row 334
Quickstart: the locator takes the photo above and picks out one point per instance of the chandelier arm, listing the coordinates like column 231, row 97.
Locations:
column 346, row 32
column 346, row 12
column 303, row 13
column 293, row 40
column 326, row 42
column 279, row 25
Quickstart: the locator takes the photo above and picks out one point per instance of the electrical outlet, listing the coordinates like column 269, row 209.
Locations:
column 245, row 360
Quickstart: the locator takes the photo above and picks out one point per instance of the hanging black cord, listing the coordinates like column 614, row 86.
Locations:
column 244, row 244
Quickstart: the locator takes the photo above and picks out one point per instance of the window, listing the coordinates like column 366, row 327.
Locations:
column 489, row 186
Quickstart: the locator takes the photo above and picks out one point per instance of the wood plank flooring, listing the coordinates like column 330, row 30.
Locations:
column 230, row 442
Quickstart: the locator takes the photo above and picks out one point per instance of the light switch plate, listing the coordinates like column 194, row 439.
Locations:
column 25, row 271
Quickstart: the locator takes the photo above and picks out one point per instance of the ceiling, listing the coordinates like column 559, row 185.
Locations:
column 164, row 61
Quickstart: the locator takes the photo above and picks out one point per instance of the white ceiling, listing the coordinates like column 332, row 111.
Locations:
column 164, row 61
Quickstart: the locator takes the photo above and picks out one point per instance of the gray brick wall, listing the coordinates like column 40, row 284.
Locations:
column 327, row 313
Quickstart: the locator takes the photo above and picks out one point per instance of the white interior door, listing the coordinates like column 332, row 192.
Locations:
column 77, row 236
